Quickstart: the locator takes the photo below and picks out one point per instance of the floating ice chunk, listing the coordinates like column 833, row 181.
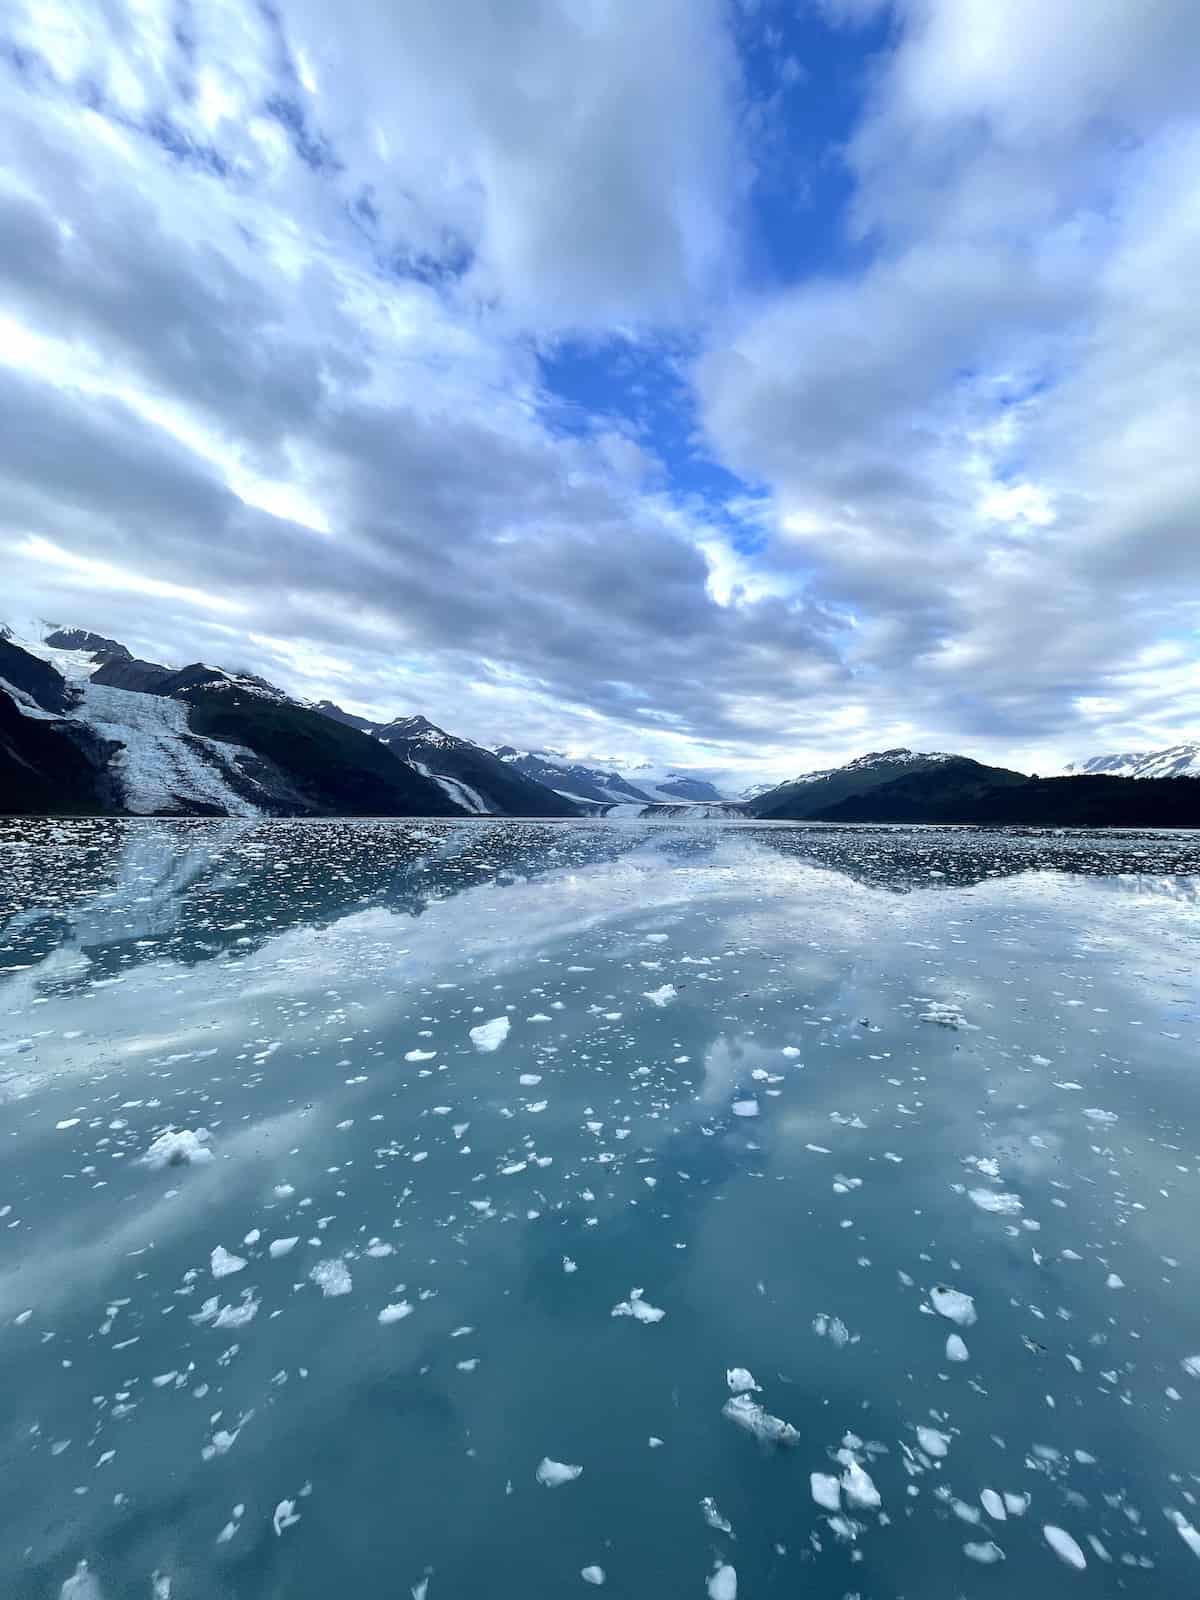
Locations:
column 490, row 1035
column 832, row 1328
column 569, row 1265
column 741, row 1380
column 946, row 1016
column 745, row 1108
column 723, row 1583
column 933, row 1442
column 67, row 1122
column 282, row 1247
column 238, row 1316
column 1016, row 1504
column 1003, row 1205
column 419, row 1591
column 592, row 1575
column 956, row 1350
column 222, row 1263
column 419, row 1055
column 332, row 1278
column 286, row 1516
column 179, row 1147
column 953, row 1304
column 860, row 1490
column 638, row 1308
column 826, row 1490
column 81, row 1585
column 1114, row 1281
column 1096, row 1114
column 993, row 1504
column 984, row 1552
column 552, row 1474
column 713, row 1517
column 1185, row 1530
column 1191, row 1365
column 751, row 1416
column 529, row 1080
column 1064, row 1547
column 395, row 1313
column 661, row 997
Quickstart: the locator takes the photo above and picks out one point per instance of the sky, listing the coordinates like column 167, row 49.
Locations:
column 725, row 384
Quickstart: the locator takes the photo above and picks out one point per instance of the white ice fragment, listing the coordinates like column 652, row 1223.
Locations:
column 751, row 1416
column 1095, row 1114
column 281, row 1247
column 222, row 1263
column 956, row 1350
column 179, row 1148
column 1114, row 1281
column 1185, row 1530
column 860, row 1490
column 661, row 997
column 985, row 1552
column 420, row 1055
column 933, row 1442
column 713, row 1517
column 638, row 1308
column 1191, row 1365
column 81, row 1585
column 285, row 1516
column 592, row 1575
column 953, row 1304
column 395, row 1313
column 1003, row 1205
column 832, row 1328
column 993, row 1504
column 723, row 1583
column 568, row 1265
column 332, row 1278
column 826, row 1490
column 1064, row 1547
column 745, row 1108
column 490, row 1035
column 1016, row 1504
column 946, row 1016
column 552, row 1474
column 529, row 1080
column 741, row 1380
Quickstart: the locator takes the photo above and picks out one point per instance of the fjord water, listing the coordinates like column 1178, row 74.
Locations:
column 791, row 1083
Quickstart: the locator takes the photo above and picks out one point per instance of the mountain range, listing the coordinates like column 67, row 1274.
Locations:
column 88, row 728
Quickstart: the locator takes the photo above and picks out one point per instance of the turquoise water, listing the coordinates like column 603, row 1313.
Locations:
column 792, row 1084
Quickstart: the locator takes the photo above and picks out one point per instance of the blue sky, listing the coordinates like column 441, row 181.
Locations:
column 714, row 384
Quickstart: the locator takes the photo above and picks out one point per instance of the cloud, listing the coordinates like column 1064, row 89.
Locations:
column 278, row 286
column 981, row 441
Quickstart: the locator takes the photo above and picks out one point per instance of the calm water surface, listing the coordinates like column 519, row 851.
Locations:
column 355, row 1178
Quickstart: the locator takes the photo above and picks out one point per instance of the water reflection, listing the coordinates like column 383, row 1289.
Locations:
column 729, row 1079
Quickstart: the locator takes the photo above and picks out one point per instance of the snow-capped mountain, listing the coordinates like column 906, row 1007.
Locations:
column 814, row 792
column 474, row 778
column 1177, row 761
column 87, row 728
column 573, row 779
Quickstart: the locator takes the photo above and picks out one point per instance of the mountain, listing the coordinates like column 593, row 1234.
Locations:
column 473, row 777
column 573, row 779
column 87, row 729
column 1177, row 761
column 815, row 792
column 678, row 786
column 905, row 786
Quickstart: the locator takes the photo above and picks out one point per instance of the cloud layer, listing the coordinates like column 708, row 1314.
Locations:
column 281, row 296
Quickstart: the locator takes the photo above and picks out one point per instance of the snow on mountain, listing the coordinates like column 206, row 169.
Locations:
column 873, row 761
column 575, row 780
column 1177, row 761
